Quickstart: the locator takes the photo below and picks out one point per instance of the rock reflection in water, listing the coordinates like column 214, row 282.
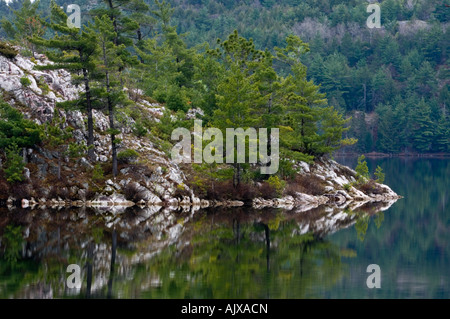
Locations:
column 229, row 253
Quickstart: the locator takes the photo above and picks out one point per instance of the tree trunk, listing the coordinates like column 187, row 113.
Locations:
column 90, row 257
column 238, row 174
column 267, row 235
column 90, row 141
column 111, row 125
column 139, row 36
column 110, row 115
column 113, row 261
column 24, row 155
column 113, row 19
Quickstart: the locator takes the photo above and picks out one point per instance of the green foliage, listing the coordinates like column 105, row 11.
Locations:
column 362, row 171
column 287, row 169
column 361, row 226
column 24, row 25
column 43, row 85
column 12, row 241
column 75, row 150
column 277, row 184
column 97, row 173
column 14, row 129
column 379, row 175
column 54, row 134
column 139, row 129
column 25, row 81
column 7, row 51
column 14, row 164
column 127, row 156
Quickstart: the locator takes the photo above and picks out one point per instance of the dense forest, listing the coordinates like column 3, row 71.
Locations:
column 234, row 84
column 393, row 82
column 312, row 69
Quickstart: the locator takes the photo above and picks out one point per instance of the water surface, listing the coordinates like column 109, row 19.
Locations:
column 241, row 252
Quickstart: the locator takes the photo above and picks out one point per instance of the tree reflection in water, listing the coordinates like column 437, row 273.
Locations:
column 159, row 253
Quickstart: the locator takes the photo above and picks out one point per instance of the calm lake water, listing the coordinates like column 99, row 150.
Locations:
column 240, row 253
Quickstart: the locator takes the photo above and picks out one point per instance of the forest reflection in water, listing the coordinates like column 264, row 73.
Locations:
column 163, row 253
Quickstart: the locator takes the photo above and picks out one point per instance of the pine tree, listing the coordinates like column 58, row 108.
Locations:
column 442, row 135
column 388, row 130
column 108, row 65
column 159, row 69
column 238, row 92
column 362, row 171
column 26, row 24
column 58, row 137
column 302, row 100
column 423, row 128
column 313, row 128
column 128, row 17
column 14, row 129
column 14, row 164
column 74, row 52
column 379, row 175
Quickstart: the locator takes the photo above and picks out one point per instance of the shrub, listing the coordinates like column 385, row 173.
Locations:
column 175, row 102
column 287, row 169
column 43, row 86
column 225, row 190
column 14, row 165
column 8, row 51
column 25, row 81
column 127, row 156
column 97, row 173
column 15, row 129
column 20, row 190
column 139, row 129
column 180, row 191
column 307, row 184
column 75, row 150
column 379, row 175
column 362, row 171
column 347, row 187
column 267, row 191
column 371, row 188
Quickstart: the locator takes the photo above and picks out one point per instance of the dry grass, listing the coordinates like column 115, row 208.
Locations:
column 371, row 188
column 307, row 184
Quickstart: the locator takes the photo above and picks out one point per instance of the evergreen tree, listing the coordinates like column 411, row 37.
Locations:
column 14, row 129
column 26, row 24
column 74, row 52
column 423, row 128
column 302, row 99
column 442, row 136
column 58, row 137
column 238, row 92
column 14, row 164
column 108, row 65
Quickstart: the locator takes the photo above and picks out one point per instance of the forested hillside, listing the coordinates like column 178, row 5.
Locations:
column 393, row 81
